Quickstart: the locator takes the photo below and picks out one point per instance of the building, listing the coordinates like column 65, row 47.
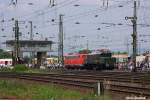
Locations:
column 35, row 47
column 121, row 60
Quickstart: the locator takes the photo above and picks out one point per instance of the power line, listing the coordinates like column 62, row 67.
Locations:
column 91, row 12
column 48, row 9
column 85, row 14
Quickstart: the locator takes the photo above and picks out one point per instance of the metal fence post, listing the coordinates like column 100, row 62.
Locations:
column 100, row 88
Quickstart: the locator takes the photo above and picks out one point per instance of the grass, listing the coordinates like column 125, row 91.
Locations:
column 27, row 91
column 146, row 78
column 24, row 69
column 16, row 68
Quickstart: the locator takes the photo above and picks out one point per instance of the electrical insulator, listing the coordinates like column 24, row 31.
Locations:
column 13, row 2
column 52, row 3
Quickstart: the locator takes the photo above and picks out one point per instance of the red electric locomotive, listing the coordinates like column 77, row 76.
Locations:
column 75, row 61
column 101, row 61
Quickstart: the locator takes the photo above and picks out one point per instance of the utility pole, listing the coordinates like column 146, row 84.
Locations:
column 31, row 38
column 134, row 35
column 16, row 45
column 87, row 45
column 139, row 49
column 60, row 41
column 105, row 3
column 128, row 51
column 31, row 30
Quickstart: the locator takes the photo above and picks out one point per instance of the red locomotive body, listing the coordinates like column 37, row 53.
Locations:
column 77, row 60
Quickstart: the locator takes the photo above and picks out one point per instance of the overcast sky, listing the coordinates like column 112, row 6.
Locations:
column 85, row 21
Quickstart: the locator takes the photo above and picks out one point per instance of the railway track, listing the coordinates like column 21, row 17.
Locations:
column 120, row 82
column 120, row 77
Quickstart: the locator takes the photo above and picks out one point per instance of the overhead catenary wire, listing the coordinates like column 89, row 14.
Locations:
column 48, row 9
column 70, row 18
column 83, row 14
column 87, row 13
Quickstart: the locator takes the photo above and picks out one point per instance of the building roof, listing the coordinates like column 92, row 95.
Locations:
column 31, row 42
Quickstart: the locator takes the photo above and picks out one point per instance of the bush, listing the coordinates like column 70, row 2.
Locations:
column 20, row 68
column 5, row 69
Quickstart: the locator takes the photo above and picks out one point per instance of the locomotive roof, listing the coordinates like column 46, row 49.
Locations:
column 77, row 54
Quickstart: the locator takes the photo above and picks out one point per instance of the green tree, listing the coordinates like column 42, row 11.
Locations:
column 1, row 50
column 4, row 54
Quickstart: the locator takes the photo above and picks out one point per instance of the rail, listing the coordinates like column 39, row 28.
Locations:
column 110, row 81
